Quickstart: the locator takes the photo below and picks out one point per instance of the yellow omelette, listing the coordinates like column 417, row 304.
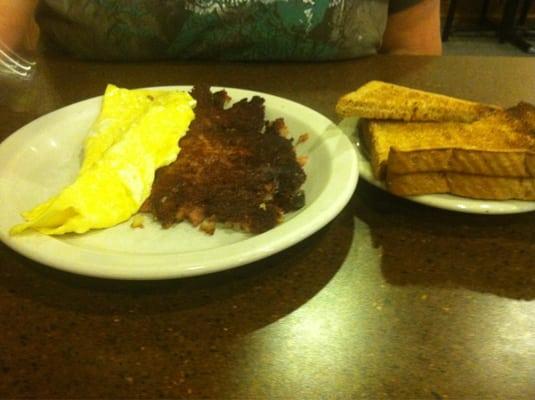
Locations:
column 136, row 132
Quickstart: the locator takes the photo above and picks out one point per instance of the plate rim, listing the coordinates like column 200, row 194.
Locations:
column 278, row 238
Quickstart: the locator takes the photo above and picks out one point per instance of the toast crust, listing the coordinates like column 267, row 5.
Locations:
column 460, row 184
column 513, row 163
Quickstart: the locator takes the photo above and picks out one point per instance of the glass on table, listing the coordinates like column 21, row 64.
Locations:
column 16, row 72
column 15, row 64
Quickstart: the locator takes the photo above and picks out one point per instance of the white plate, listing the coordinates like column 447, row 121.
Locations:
column 43, row 156
column 444, row 201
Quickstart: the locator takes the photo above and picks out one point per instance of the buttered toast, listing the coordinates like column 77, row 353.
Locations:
column 501, row 144
column 382, row 100
column 421, row 143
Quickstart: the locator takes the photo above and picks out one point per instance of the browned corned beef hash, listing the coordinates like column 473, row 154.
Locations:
column 234, row 168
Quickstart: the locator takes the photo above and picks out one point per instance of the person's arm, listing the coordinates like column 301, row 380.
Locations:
column 414, row 30
column 17, row 23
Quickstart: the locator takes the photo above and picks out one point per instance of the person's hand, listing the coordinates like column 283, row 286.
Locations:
column 18, row 29
column 415, row 30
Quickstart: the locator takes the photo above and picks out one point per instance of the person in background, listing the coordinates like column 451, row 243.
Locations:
column 223, row 29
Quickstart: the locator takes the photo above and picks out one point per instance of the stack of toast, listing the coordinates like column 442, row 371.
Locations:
column 425, row 143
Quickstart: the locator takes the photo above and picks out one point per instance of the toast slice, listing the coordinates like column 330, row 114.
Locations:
column 461, row 184
column 381, row 100
column 502, row 144
column 378, row 137
column 512, row 163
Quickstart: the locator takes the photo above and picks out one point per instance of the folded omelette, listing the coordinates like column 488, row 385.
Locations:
column 136, row 132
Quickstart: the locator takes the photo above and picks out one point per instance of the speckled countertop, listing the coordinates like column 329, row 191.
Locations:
column 390, row 300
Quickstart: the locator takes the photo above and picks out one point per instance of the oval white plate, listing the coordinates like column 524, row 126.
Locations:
column 43, row 156
column 444, row 201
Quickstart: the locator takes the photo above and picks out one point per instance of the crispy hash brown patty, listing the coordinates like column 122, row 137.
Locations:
column 233, row 168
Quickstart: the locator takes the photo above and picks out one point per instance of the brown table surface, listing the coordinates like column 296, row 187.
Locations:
column 390, row 300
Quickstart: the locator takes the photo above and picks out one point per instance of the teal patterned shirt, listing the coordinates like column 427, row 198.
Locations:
column 216, row 29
